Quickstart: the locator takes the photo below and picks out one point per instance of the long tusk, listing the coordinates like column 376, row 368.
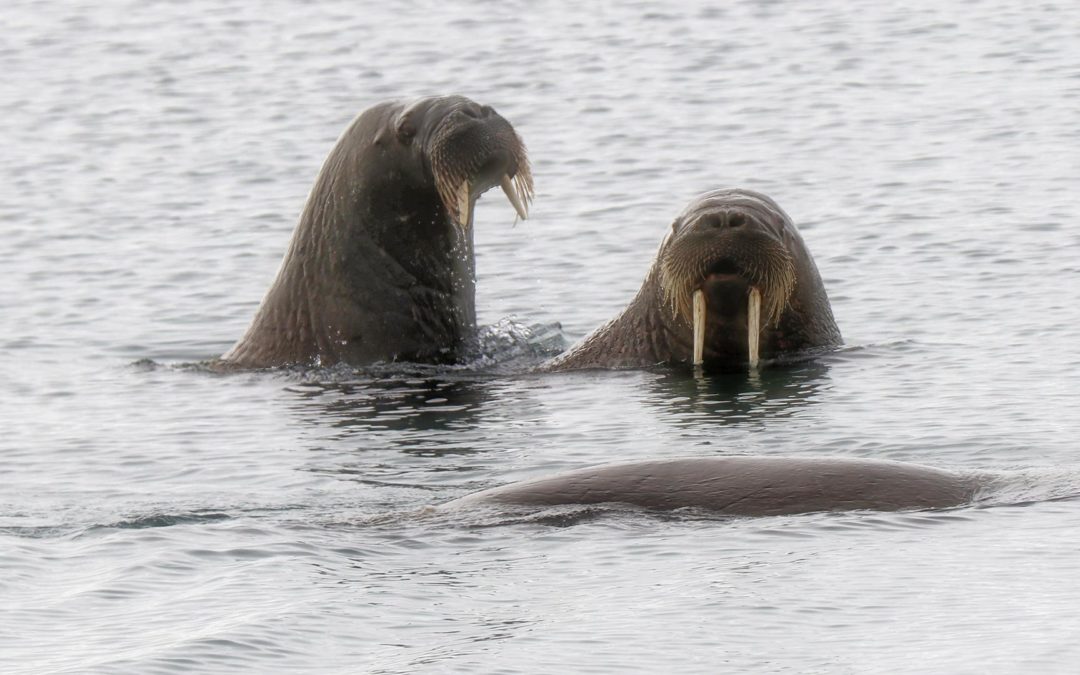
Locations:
column 463, row 205
column 753, row 326
column 699, row 327
column 511, row 192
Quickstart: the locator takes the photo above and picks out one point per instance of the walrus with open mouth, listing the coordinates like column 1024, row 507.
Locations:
column 381, row 267
column 733, row 283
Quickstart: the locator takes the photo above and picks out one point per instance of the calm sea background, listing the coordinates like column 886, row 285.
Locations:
column 157, row 518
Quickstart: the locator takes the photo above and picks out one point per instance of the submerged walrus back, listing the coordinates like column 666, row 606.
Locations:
column 745, row 486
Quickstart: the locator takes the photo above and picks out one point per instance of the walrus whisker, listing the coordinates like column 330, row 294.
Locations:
column 523, row 184
column 681, row 270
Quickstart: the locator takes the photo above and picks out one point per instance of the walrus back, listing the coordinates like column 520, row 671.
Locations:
column 744, row 486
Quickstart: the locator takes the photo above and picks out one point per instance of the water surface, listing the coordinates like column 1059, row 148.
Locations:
column 158, row 518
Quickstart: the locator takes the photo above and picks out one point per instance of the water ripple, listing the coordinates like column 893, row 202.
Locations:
column 158, row 516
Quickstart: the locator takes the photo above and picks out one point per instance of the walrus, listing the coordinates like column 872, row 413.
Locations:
column 744, row 486
column 732, row 283
column 380, row 266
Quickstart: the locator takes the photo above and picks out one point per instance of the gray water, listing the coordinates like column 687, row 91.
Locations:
column 156, row 518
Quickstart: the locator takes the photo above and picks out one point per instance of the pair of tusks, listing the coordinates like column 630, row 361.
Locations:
column 753, row 326
column 514, row 190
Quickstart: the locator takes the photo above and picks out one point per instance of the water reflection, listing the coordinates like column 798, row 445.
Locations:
column 410, row 405
column 736, row 398
column 399, row 405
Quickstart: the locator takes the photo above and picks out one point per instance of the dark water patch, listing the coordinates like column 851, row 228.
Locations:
column 405, row 401
column 783, row 390
column 555, row 517
column 146, row 366
column 165, row 520
column 239, row 520
column 40, row 531
column 252, row 553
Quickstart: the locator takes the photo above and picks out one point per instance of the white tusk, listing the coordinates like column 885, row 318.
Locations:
column 753, row 326
column 463, row 205
column 699, row 327
column 511, row 192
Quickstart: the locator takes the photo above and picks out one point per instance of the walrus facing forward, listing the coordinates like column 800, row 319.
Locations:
column 744, row 486
column 380, row 267
column 732, row 283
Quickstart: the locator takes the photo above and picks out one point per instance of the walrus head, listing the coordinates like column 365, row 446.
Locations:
column 467, row 148
column 725, row 271
column 732, row 283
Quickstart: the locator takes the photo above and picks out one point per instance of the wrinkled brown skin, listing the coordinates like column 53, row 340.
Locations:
column 377, row 270
column 649, row 332
column 744, row 486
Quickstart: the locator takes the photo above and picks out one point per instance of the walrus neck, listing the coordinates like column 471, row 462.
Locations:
column 668, row 337
column 352, row 282
column 639, row 337
column 412, row 252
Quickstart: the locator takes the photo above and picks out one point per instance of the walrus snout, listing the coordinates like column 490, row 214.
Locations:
column 473, row 150
column 724, row 286
column 726, row 244
column 724, row 220
column 492, row 169
column 726, row 294
column 476, row 111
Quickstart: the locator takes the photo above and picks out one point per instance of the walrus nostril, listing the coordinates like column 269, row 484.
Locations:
column 725, row 220
column 475, row 111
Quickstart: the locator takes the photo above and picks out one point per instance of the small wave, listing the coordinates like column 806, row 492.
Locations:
column 627, row 515
column 1027, row 487
column 138, row 522
column 869, row 349
column 38, row 531
column 509, row 339
column 164, row 520
column 505, row 347
column 145, row 365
